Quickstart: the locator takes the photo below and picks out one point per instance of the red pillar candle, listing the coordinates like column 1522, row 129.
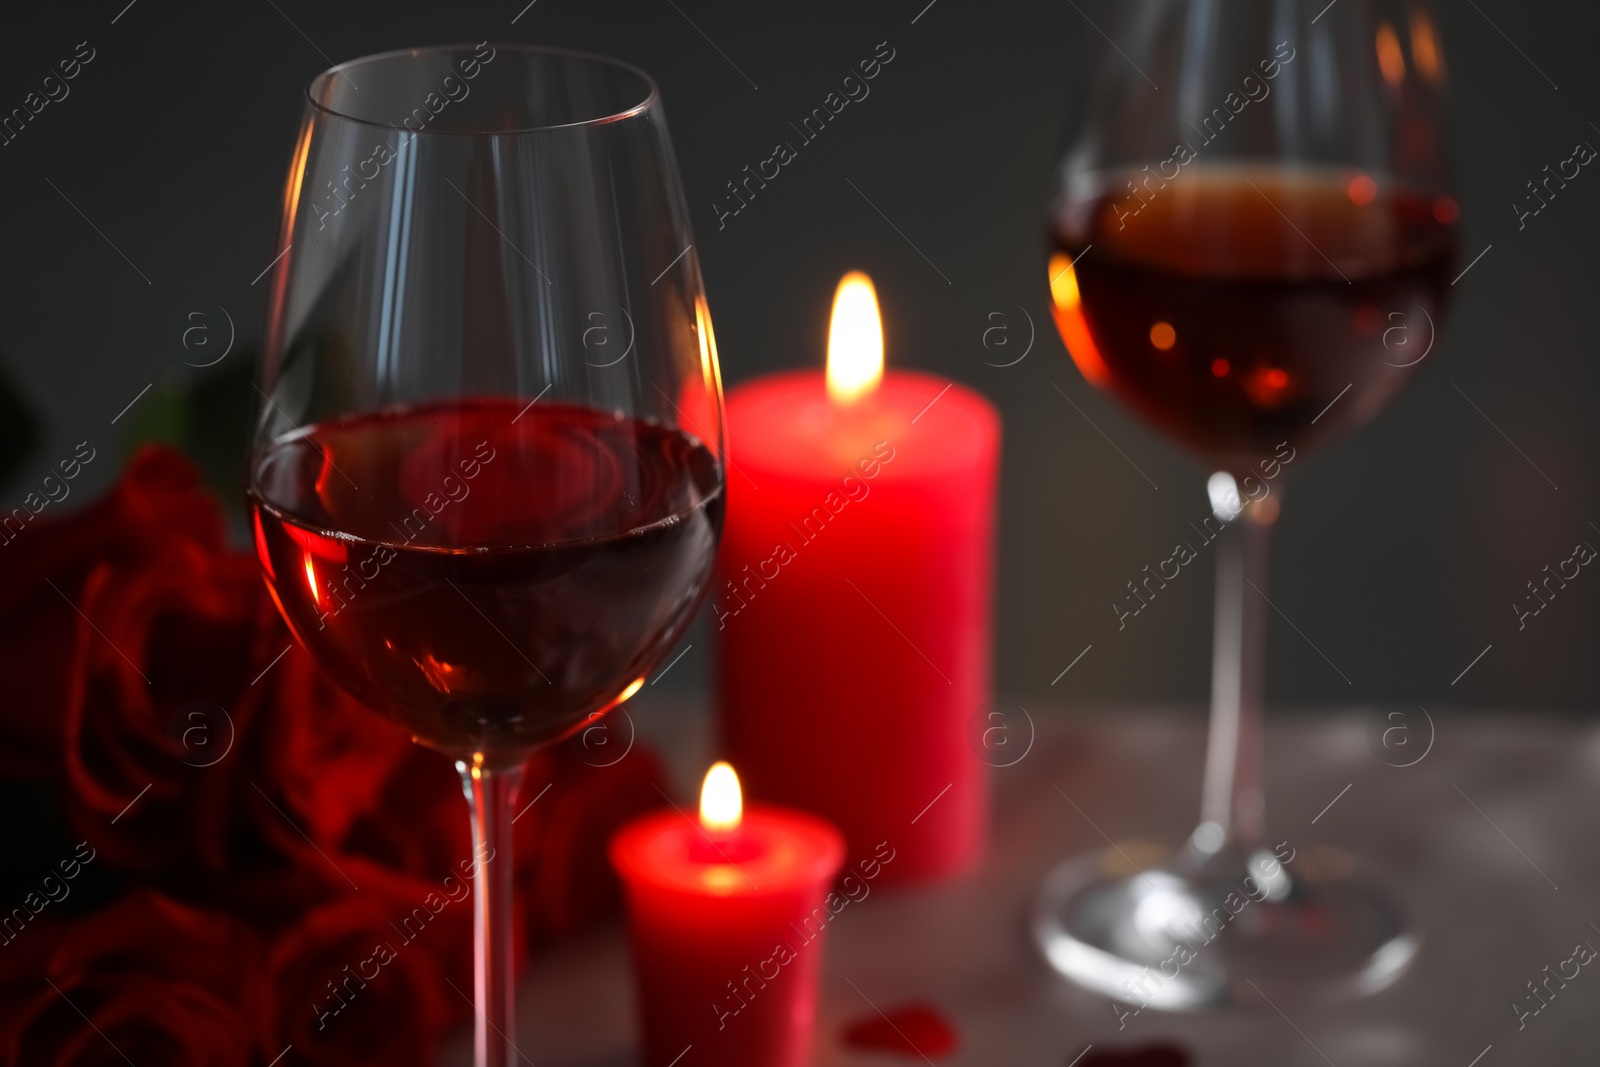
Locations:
column 726, row 917
column 853, row 610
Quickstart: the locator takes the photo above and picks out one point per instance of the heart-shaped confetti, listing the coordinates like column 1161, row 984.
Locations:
column 915, row 1030
column 1160, row 1055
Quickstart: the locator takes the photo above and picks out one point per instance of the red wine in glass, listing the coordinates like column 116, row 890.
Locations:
column 487, row 576
column 1234, row 307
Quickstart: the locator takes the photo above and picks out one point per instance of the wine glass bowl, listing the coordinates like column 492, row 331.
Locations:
column 488, row 577
column 1256, row 222
column 1243, row 300
column 1252, row 241
column 487, row 473
column 486, row 482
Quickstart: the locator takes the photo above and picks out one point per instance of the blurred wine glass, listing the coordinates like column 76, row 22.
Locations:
column 1252, row 242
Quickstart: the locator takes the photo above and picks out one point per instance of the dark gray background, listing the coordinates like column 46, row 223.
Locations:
column 1400, row 551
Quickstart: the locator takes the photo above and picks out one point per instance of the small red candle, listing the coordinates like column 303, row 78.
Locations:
column 726, row 916
column 854, row 607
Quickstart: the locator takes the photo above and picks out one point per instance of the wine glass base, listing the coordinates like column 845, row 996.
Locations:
column 1180, row 940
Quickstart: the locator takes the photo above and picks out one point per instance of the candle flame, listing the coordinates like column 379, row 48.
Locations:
column 855, row 340
column 721, row 802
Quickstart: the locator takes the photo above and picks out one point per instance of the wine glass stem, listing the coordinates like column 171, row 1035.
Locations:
column 490, row 796
column 1233, row 804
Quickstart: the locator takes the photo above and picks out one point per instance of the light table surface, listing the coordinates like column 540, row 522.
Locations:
column 1490, row 839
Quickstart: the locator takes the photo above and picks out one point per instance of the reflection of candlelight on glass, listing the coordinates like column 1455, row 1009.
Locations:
column 1066, row 303
column 855, row 594
column 1390, row 59
column 1425, row 47
column 713, row 905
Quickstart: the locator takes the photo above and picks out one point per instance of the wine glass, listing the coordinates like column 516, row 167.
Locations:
column 1252, row 242
column 487, row 477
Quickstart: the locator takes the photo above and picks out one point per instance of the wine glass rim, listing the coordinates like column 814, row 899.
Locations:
column 651, row 98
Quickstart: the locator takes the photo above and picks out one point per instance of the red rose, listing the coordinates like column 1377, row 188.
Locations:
column 417, row 823
column 151, row 681
column 359, row 980
column 133, row 634
column 325, row 753
column 344, row 796
column 318, row 762
column 158, row 698
column 146, row 980
column 412, row 841
column 158, row 501
column 563, row 874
